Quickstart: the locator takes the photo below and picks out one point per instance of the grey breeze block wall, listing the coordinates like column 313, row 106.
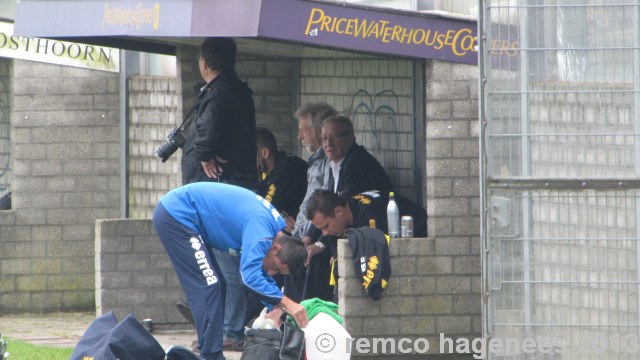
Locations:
column 133, row 273
column 377, row 95
column 66, row 175
column 453, row 194
column 153, row 113
column 425, row 297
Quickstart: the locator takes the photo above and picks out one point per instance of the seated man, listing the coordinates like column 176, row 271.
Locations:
column 192, row 219
column 353, row 168
column 333, row 214
column 283, row 177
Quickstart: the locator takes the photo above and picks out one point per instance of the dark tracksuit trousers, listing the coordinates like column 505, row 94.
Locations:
column 200, row 278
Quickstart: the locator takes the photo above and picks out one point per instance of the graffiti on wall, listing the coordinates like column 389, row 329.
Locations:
column 375, row 119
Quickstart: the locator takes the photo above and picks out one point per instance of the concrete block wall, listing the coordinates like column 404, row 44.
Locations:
column 134, row 274
column 66, row 175
column 605, row 118
column 452, row 162
column 6, row 173
column 430, row 292
column 453, row 190
column 377, row 94
column 153, row 113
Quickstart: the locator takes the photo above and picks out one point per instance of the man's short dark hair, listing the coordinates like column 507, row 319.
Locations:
column 219, row 53
column 292, row 252
column 316, row 112
column 266, row 139
column 323, row 202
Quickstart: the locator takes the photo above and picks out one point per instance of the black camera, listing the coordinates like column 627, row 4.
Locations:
column 175, row 140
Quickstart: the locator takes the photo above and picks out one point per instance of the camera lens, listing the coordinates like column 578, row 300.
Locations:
column 165, row 150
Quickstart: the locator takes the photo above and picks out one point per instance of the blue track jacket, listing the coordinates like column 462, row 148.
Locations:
column 231, row 218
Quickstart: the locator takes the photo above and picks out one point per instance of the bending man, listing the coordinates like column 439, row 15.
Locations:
column 194, row 217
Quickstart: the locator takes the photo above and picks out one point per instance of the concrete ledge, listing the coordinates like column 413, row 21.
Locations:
column 134, row 274
column 425, row 297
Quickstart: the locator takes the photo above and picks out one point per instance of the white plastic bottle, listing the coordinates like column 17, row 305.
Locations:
column 393, row 217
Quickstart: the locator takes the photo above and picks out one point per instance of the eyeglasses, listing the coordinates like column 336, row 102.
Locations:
column 334, row 137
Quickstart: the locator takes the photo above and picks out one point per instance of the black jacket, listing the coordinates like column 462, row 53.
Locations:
column 285, row 186
column 360, row 172
column 373, row 205
column 224, row 125
column 371, row 259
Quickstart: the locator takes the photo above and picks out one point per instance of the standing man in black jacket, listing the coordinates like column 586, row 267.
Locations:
column 220, row 144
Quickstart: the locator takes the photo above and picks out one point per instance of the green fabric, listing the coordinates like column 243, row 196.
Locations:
column 315, row 306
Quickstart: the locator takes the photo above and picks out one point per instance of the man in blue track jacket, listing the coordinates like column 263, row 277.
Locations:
column 194, row 217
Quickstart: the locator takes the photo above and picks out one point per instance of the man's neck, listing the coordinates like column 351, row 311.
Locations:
column 210, row 75
column 349, row 216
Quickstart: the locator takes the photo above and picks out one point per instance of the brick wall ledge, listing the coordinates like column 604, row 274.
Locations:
column 430, row 292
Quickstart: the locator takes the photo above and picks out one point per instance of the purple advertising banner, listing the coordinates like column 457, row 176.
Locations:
column 313, row 23
column 73, row 18
column 370, row 30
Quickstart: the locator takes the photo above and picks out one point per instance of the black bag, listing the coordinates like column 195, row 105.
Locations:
column 108, row 339
column 292, row 344
column 274, row 344
column 262, row 344
column 177, row 352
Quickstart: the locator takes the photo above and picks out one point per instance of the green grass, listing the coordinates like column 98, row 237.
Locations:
column 21, row 350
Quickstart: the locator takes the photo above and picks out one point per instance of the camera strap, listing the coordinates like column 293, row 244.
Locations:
column 187, row 119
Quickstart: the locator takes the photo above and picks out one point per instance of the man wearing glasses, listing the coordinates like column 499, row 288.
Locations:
column 354, row 169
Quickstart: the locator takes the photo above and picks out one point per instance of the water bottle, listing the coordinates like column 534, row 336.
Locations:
column 393, row 217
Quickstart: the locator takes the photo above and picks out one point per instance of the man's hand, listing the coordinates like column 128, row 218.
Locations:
column 295, row 310
column 306, row 240
column 275, row 315
column 311, row 251
column 291, row 222
column 213, row 167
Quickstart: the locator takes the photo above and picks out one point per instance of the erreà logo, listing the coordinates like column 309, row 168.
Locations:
column 201, row 260
column 195, row 243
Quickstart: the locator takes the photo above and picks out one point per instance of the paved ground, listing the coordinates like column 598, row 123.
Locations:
column 65, row 329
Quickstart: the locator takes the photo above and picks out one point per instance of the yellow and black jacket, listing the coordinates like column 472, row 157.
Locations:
column 370, row 258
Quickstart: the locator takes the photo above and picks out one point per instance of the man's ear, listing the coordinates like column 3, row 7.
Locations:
column 338, row 211
column 264, row 153
column 275, row 246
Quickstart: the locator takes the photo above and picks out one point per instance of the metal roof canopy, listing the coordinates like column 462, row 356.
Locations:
column 294, row 28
